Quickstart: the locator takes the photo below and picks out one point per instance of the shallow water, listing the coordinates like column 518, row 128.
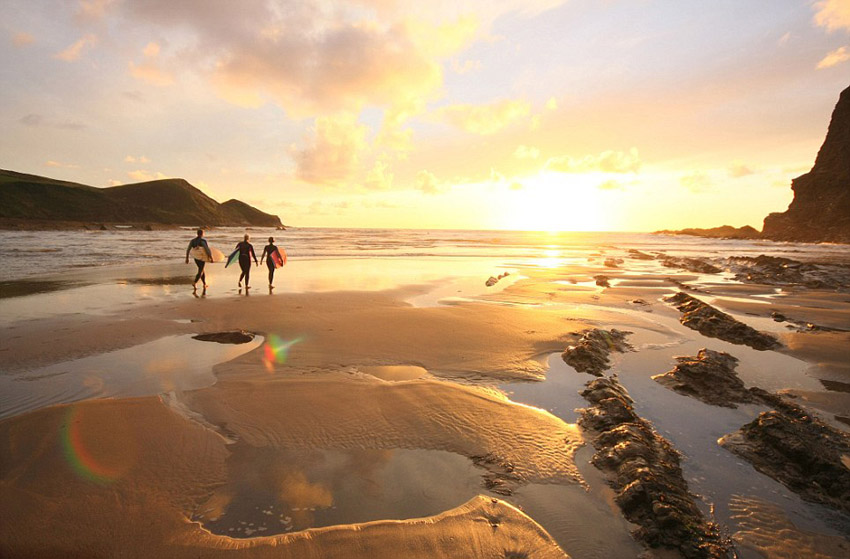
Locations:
column 173, row 363
column 64, row 251
column 273, row 491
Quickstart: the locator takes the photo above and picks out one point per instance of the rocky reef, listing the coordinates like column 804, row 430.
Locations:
column 709, row 377
column 722, row 232
column 774, row 270
column 820, row 210
column 799, row 451
column 644, row 470
column 590, row 353
column 712, row 322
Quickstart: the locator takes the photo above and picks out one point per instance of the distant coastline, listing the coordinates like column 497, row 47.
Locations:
column 32, row 202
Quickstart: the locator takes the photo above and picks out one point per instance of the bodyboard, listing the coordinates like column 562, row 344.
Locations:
column 234, row 256
column 278, row 257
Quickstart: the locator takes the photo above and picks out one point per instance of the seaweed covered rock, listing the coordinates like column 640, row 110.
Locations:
column 709, row 377
column 709, row 321
column 775, row 270
column 696, row 265
column 800, row 451
column 590, row 353
column 644, row 470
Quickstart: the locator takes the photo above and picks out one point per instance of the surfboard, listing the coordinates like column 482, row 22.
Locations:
column 198, row 253
column 278, row 257
column 233, row 257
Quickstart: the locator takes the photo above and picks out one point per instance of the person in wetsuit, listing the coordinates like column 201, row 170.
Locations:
column 246, row 252
column 267, row 254
column 199, row 241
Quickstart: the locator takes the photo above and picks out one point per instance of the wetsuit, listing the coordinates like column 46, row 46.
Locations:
column 200, row 242
column 267, row 252
column 246, row 252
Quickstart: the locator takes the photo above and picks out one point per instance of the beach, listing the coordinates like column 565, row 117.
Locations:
column 388, row 402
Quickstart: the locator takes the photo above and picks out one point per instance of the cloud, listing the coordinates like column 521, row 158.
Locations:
column 148, row 69
column 552, row 104
column 93, row 10
column 428, row 183
column 22, row 39
column 526, row 152
column 485, row 119
column 334, row 152
column 144, row 176
column 379, row 177
column 834, row 58
column 311, row 57
column 74, row 51
column 611, row 185
column 134, row 159
column 738, row 170
column 606, row 162
column 832, row 14
column 696, row 182
column 52, row 163
column 37, row 120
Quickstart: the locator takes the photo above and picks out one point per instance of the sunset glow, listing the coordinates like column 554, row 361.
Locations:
column 549, row 114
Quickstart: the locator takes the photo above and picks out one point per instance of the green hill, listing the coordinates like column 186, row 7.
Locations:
column 167, row 201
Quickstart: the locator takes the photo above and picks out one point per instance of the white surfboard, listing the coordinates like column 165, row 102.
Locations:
column 198, row 253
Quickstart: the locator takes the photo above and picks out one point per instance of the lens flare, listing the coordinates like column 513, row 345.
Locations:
column 276, row 350
column 81, row 459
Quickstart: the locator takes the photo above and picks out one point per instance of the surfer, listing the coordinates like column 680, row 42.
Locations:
column 199, row 241
column 268, row 250
column 246, row 252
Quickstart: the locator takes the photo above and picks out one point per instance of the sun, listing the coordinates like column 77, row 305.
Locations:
column 556, row 202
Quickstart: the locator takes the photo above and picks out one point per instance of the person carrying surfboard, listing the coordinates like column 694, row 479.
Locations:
column 199, row 241
column 246, row 252
column 272, row 257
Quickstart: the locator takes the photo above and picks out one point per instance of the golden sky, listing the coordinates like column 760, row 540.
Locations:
column 522, row 114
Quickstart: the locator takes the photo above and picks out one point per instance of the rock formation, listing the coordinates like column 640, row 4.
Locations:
column 644, row 470
column 820, row 210
column 714, row 323
column 590, row 353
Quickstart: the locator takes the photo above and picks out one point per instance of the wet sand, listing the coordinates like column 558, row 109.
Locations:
column 349, row 391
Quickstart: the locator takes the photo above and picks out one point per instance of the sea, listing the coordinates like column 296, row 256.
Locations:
column 36, row 254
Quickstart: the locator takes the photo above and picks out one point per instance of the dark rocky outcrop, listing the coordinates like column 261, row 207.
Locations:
column 644, row 470
column 235, row 337
column 633, row 253
column 820, row 210
column 722, row 232
column 799, row 451
column 590, row 353
column 774, row 270
column 695, row 265
column 709, row 377
column 709, row 321
column 168, row 201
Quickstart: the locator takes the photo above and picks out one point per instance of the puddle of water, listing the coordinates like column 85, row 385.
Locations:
column 173, row 363
column 273, row 491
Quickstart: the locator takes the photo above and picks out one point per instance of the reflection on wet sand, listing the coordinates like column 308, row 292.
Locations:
column 271, row 491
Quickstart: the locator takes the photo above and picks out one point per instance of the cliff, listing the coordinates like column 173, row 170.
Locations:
column 168, row 201
column 820, row 210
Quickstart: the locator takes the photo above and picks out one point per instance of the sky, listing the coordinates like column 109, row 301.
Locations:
column 576, row 115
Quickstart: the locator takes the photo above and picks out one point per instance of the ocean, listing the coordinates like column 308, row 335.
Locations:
column 29, row 254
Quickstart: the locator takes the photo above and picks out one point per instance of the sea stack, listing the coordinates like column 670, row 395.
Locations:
column 820, row 210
